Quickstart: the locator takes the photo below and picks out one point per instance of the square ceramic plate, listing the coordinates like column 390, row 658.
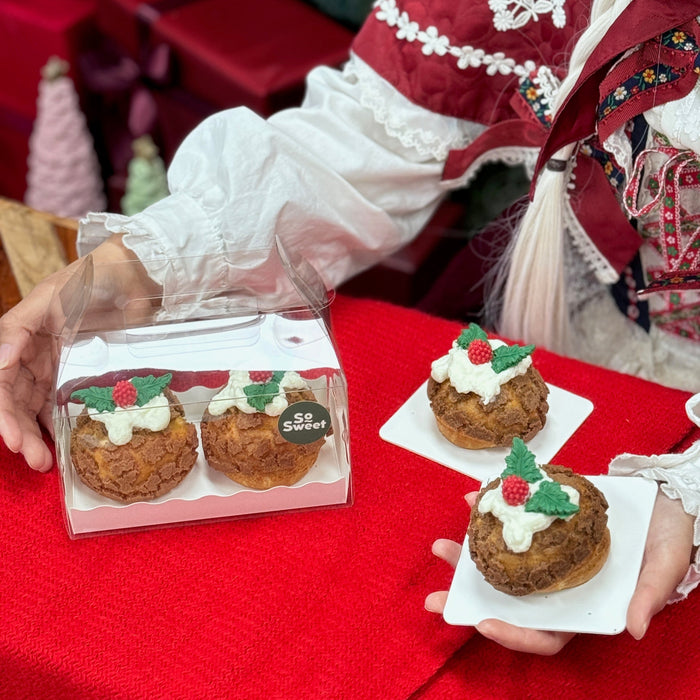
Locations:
column 413, row 427
column 599, row 606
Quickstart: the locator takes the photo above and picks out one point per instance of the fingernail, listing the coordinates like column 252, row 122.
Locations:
column 644, row 629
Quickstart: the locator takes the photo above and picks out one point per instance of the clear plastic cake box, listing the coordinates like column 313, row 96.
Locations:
column 270, row 317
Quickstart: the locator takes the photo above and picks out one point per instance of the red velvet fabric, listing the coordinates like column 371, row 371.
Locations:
column 315, row 604
column 255, row 54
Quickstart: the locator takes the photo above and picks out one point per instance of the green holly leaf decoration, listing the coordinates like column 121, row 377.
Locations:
column 100, row 398
column 276, row 377
column 149, row 387
column 97, row 397
column 259, row 395
column 551, row 499
column 470, row 333
column 506, row 356
column 521, row 462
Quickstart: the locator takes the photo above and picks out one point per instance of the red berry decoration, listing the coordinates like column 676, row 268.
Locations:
column 515, row 490
column 124, row 394
column 260, row 376
column 479, row 352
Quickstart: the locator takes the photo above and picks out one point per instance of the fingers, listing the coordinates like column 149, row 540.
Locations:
column 666, row 560
column 37, row 455
column 643, row 606
column 522, row 639
column 447, row 550
column 435, row 602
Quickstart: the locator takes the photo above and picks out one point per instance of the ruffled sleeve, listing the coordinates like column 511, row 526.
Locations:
column 336, row 180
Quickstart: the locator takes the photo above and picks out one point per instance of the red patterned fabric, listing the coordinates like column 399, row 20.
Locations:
column 476, row 91
column 316, row 604
column 437, row 82
column 641, row 21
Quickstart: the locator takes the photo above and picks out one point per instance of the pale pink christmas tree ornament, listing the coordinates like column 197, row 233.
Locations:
column 64, row 174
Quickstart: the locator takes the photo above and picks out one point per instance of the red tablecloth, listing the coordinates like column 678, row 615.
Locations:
column 318, row 604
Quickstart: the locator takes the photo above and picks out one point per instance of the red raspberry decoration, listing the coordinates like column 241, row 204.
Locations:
column 260, row 376
column 479, row 352
column 124, row 394
column 515, row 490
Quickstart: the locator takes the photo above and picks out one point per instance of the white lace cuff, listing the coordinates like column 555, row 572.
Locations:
column 428, row 133
column 679, row 477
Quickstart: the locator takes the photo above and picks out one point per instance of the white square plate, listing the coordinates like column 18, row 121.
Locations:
column 599, row 606
column 413, row 427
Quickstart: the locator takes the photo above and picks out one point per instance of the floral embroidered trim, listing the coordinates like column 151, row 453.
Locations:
column 613, row 172
column 651, row 77
column 538, row 90
column 680, row 171
column 524, row 11
column 435, row 43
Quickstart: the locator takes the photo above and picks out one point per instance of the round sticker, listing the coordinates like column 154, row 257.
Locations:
column 304, row 422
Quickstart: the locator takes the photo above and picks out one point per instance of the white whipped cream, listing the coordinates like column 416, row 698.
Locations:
column 120, row 424
column 233, row 395
column 467, row 377
column 518, row 525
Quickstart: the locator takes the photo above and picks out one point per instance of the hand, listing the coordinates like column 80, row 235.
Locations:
column 28, row 352
column 666, row 558
column 509, row 636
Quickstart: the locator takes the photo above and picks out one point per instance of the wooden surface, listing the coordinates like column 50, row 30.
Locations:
column 65, row 230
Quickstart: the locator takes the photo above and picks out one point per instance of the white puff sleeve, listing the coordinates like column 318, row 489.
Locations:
column 343, row 180
column 679, row 478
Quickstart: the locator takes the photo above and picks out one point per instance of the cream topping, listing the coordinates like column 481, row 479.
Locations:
column 233, row 395
column 519, row 526
column 120, row 424
column 467, row 377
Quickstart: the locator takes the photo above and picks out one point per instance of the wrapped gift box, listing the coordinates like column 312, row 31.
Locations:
column 31, row 31
column 230, row 54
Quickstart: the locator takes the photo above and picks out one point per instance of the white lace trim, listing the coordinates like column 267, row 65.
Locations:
column 435, row 43
column 595, row 260
column 620, row 147
column 513, row 156
column 405, row 121
column 515, row 14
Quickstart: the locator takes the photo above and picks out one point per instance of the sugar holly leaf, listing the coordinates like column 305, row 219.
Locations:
column 471, row 332
column 97, row 397
column 551, row 499
column 506, row 356
column 521, row 462
column 149, row 387
column 259, row 395
column 276, row 377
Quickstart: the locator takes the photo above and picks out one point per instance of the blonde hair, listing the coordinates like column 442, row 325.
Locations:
column 532, row 284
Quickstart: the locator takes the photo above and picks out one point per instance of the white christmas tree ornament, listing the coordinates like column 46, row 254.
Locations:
column 64, row 174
